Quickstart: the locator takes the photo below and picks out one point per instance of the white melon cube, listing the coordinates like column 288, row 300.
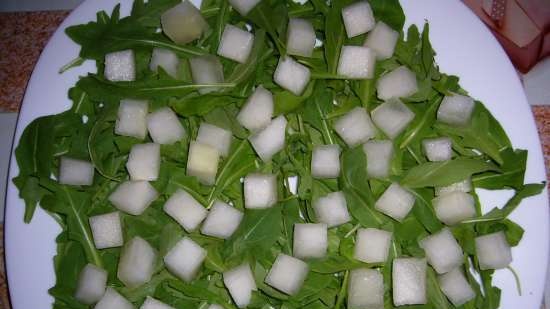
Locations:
column 215, row 306
column 92, row 281
column 310, row 240
column 113, row 300
column 493, row 251
column 133, row 197
column 454, row 207
column 358, row 18
column 456, row 110
column 144, row 162
column 206, row 70
column 399, row 83
column 222, row 220
column 202, row 162
column 216, row 137
column 75, row 172
column 131, row 119
column 438, row 149
column 151, row 303
column 244, row 6
column 455, row 286
column 325, row 161
column 257, row 111
column 356, row 62
column 185, row 209
column 442, row 251
column 120, row 66
column 271, row 139
column 332, row 209
column 392, row 117
column 382, row 39
column 355, row 127
column 240, row 283
column 287, row 274
column 185, row 259
column 260, row 190
column 292, row 75
column 300, row 37
column 235, row 44
column 372, row 245
column 463, row 186
column 365, row 289
column 164, row 126
column 395, row 202
column 106, row 230
column 379, row 157
column 183, row 23
column 166, row 59
column 136, row 263
column 409, row 281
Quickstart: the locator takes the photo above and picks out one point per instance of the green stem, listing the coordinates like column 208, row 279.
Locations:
column 343, row 291
column 71, row 64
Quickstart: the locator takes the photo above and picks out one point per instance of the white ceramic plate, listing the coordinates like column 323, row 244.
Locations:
column 464, row 47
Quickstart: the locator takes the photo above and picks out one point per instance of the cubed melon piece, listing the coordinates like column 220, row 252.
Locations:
column 132, row 118
column 260, row 190
column 392, row 117
column 442, row 251
column 399, row 83
column 455, row 286
column 493, row 251
column 215, row 306
column 287, row 274
column 395, row 202
column 355, row 127
column 454, row 207
column 206, row 70
column 136, row 263
column 106, row 230
column 438, row 149
column 325, row 161
column 356, row 62
column 183, row 23
column 202, row 162
column 185, row 259
column 300, row 37
column 257, row 111
column 185, row 209
column 235, row 44
column 332, row 209
column 365, row 289
column 144, row 162
column 240, row 283
column 151, row 303
column 310, row 240
column 456, row 110
column 243, row 6
column 409, row 281
column 166, row 59
column 120, row 66
column 113, row 300
column 379, row 155
column 382, row 39
column 271, row 139
column 222, row 220
column 291, row 75
column 216, row 137
column 75, row 172
column 92, row 281
column 133, row 197
column 372, row 245
column 463, row 186
column 164, row 126
column 358, row 18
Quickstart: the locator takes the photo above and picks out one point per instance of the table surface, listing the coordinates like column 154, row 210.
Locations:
column 23, row 35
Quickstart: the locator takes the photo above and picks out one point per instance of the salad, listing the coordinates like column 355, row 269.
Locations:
column 270, row 154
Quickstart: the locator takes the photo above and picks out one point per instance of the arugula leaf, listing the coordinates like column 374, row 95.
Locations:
column 511, row 172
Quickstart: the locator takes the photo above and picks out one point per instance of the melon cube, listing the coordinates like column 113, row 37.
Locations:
column 392, row 117
column 358, row 18
column 257, row 111
column 151, row 303
column 106, row 230
column 310, row 240
column 131, row 119
column 300, row 37
column 271, row 139
column 456, row 110
column 463, row 186
column 395, row 202
column 185, row 209
column 287, row 274
column 493, row 251
column 137, row 262
column 442, row 251
column 206, row 70
column 113, row 300
column 379, row 157
column 215, row 306
column 399, row 83
column 240, row 283
column 409, row 281
column 356, row 62
column 92, row 281
column 183, row 23
column 260, row 190
column 216, row 137
column 365, row 289
column 164, row 126
column 438, row 149
column 325, row 161
column 235, row 44
column 455, row 286
column 166, row 59
column 291, row 75
column 133, row 197
column 244, row 6
column 372, row 245
column 185, row 259
column 382, row 39
column 75, row 172
column 355, row 127
column 120, row 66
column 144, row 162
column 222, row 220
column 454, row 207
column 332, row 209
column 202, row 162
